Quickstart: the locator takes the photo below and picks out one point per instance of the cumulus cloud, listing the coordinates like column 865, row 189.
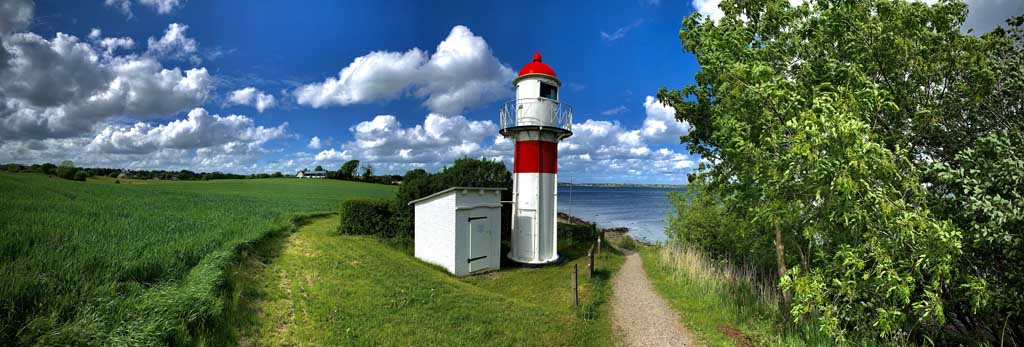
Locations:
column 199, row 130
column 461, row 73
column 175, row 44
column 62, row 87
column 201, row 142
column 250, row 96
column 314, row 143
column 661, row 125
column 161, row 6
column 15, row 15
column 385, row 143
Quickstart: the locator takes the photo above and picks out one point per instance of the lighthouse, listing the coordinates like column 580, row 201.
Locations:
column 535, row 121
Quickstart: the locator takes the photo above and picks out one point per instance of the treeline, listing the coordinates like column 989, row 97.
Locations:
column 68, row 170
column 871, row 155
column 351, row 171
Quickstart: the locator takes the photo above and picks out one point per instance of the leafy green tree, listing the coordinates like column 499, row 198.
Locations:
column 348, row 170
column 818, row 119
column 367, row 175
column 48, row 168
column 318, row 168
column 983, row 193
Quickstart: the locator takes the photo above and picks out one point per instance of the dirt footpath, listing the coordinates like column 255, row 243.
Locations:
column 639, row 315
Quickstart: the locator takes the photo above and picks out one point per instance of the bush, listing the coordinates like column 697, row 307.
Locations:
column 81, row 175
column 571, row 234
column 367, row 217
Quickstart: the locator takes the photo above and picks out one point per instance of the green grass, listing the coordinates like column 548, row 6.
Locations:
column 99, row 263
column 723, row 304
column 316, row 287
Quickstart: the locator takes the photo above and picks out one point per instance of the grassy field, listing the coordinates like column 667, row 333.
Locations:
column 102, row 263
column 316, row 287
column 722, row 304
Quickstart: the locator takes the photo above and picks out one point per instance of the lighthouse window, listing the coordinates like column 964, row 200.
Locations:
column 548, row 91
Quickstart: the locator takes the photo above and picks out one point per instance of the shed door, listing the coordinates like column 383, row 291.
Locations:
column 480, row 240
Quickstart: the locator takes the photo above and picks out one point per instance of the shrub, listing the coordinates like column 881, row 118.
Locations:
column 367, row 217
column 81, row 175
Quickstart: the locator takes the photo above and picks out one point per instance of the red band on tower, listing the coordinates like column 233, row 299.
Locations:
column 536, row 156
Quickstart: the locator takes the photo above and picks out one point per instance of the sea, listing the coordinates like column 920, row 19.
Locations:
column 641, row 209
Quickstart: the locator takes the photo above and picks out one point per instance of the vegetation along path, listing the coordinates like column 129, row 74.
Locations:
column 639, row 315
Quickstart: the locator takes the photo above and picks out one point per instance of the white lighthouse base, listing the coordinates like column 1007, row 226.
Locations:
column 532, row 261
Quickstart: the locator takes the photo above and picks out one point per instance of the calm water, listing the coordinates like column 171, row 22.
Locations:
column 642, row 210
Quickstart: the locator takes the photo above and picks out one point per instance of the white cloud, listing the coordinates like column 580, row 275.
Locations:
column 252, row 97
column 62, row 87
column 461, row 73
column 200, row 130
column 95, row 33
column 174, row 44
column 200, row 142
column 621, row 32
column 314, row 143
column 614, row 111
column 113, row 43
column 15, row 15
column 161, row 6
column 661, row 125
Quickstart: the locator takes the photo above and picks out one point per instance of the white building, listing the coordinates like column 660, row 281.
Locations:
column 536, row 121
column 311, row 174
column 460, row 229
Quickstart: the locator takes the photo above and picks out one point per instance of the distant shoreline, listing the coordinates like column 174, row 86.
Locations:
column 622, row 185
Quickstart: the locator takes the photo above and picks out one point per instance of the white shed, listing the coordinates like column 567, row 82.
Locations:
column 459, row 229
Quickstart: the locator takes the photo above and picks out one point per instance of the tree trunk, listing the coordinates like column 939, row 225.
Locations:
column 780, row 256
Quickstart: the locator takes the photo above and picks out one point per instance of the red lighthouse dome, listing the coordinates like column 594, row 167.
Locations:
column 537, row 67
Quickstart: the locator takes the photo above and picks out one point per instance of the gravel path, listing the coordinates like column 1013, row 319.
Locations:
column 641, row 316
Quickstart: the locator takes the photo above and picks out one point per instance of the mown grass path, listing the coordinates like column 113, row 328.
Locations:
column 315, row 287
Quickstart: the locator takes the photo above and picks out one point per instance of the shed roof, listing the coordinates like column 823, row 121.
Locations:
column 449, row 190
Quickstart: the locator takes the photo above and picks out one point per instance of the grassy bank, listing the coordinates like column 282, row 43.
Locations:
column 316, row 287
column 723, row 304
column 101, row 263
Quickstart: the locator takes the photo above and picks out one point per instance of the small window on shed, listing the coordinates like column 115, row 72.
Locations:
column 548, row 91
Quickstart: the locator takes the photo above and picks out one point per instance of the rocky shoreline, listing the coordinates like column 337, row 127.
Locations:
column 566, row 218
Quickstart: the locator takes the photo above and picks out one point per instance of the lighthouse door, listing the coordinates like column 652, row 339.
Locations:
column 480, row 240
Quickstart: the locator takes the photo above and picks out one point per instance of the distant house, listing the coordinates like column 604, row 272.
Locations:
column 311, row 174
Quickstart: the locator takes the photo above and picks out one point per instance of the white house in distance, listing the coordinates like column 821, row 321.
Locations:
column 311, row 174
column 459, row 229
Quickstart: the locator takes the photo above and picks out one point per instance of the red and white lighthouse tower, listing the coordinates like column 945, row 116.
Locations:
column 535, row 121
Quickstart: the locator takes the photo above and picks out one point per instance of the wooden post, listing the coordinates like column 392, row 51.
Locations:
column 590, row 266
column 599, row 243
column 575, row 289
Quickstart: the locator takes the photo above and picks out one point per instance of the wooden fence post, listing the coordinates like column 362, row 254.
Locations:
column 599, row 243
column 590, row 266
column 575, row 289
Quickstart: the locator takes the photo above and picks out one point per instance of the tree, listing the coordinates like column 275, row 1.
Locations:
column 348, row 170
column 367, row 175
column 465, row 172
column 318, row 168
column 818, row 120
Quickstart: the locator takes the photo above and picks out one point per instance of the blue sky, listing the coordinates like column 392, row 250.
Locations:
column 263, row 86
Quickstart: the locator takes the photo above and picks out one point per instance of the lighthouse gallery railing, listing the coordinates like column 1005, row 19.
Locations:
column 535, row 111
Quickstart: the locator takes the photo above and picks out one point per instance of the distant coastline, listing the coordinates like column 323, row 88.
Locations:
column 629, row 185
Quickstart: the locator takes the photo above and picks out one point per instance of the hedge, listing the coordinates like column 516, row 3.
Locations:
column 363, row 216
